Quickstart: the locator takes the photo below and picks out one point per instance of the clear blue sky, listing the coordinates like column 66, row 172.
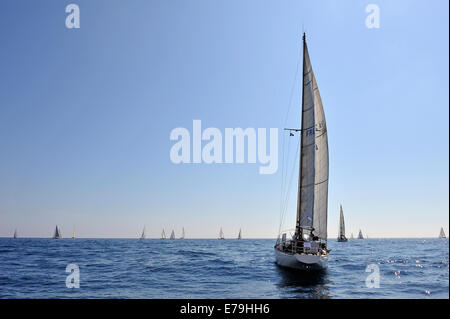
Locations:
column 85, row 115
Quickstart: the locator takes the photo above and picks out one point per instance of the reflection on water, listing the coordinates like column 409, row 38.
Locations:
column 303, row 283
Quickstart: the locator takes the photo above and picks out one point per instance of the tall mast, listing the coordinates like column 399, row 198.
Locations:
column 297, row 225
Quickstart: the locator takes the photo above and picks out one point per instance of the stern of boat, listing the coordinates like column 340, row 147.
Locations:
column 301, row 261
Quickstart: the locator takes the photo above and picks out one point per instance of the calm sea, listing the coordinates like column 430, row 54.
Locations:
column 211, row 268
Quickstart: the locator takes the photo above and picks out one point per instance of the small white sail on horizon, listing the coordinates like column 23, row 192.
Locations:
column 221, row 235
column 240, row 234
column 341, row 234
column 172, row 234
column 15, row 233
column 143, row 234
column 182, row 233
column 163, row 234
column 360, row 235
column 441, row 233
column 73, row 234
column 57, row 234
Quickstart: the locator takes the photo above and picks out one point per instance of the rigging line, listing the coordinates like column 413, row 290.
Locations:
column 283, row 170
column 315, row 184
column 300, row 130
column 286, row 186
column 287, row 167
column 290, row 183
column 292, row 89
column 285, row 164
column 287, row 113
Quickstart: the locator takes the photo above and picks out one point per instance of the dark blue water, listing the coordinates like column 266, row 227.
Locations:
column 210, row 268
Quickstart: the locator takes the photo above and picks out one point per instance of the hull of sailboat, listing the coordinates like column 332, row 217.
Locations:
column 301, row 261
column 342, row 240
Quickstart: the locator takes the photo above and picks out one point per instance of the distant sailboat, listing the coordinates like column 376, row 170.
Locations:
column 172, row 234
column 221, row 236
column 240, row 234
column 308, row 247
column 143, row 234
column 182, row 234
column 442, row 234
column 57, row 234
column 360, row 235
column 341, row 234
column 73, row 235
column 163, row 234
column 15, row 233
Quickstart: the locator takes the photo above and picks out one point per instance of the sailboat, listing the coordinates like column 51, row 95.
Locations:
column 143, row 234
column 57, row 234
column 307, row 249
column 221, row 236
column 15, row 233
column 341, row 234
column 73, row 235
column 442, row 234
column 240, row 234
column 182, row 234
column 360, row 235
column 172, row 234
column 163, row 234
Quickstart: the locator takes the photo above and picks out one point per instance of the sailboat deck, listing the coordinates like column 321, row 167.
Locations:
column 291, row 247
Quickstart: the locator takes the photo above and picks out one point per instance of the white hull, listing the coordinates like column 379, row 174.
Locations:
column 301, row 261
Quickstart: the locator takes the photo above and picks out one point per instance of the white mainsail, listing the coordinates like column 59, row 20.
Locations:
column 57, row 234
column 143, row 234
column 15, row 233
column 221, row 236
column 441, row 233
column 163, row 234
column 240, row 234
column 172, row 234
column 313, row 178
column 182, row 233
column 360, row 235
column 341, row 234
